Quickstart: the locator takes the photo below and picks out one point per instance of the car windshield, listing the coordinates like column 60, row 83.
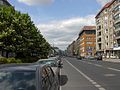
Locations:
column 52, row 63
column 17, row 81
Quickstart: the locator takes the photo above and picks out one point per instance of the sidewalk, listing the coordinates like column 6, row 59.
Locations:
column 112, row 60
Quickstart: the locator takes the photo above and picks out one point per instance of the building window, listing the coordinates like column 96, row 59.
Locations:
column 90, row 32
column 107, row 37
column 89, row 38
column 89, row 49
column 89, row 42
column 99, row 27
column 99, row 40
column 107, row 44
column 99, row 34
column 106, row 18
column 99, row 45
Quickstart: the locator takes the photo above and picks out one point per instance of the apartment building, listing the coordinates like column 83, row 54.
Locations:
column 71, row 49
column 116, row 24
column 87, row 41
column 77, row 47
column 107, row 30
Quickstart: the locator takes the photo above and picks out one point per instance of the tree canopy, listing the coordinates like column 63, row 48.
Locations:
column 19, row 34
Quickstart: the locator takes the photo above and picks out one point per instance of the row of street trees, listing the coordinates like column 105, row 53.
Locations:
column 19, row 35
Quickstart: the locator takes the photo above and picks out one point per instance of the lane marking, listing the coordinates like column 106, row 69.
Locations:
column 88, row 78
column 114, row 69
column 98, row 65
column 109, row 75
column 60, row 86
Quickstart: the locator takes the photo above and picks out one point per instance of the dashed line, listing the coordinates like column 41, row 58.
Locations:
column 114, row 69
column 103, row 66
column 88, row 78
column 60, row 86
column 98, row 65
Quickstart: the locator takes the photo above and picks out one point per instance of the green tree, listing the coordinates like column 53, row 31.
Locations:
column 18, row 34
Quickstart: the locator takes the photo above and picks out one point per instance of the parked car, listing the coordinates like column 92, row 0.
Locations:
column 79, row 57
column 99, row 57
column 58, row 59
column 27, row 77
column 52, row 63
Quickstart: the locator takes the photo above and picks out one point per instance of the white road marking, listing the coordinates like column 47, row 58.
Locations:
column 92, row 64
column 109, row 75
column 98, row 65
column 118, row 70
column 114, row 69
column 101, row 89
column 88, row 78
column 60, row 86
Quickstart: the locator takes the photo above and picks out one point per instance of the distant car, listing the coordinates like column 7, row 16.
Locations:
column 79, row 57
column 51, row 62
column 27, row 77
column 99, row 57
column 90, row 57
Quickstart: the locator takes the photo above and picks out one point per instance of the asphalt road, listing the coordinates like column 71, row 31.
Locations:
column 90, row 75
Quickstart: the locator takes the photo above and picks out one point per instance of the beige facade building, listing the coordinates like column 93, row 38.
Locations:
column 107, row 30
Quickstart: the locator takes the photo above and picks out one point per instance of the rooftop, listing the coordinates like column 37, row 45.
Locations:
column 89, row 28
column 18, row 67
column 104, row 7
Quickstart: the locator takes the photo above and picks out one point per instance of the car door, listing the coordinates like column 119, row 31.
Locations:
column 45, row 85
column 53, row 79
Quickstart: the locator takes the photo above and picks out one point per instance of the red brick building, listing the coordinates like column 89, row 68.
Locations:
column 87, row 37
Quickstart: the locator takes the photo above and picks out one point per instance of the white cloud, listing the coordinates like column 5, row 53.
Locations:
column 36, row 2
column 62, row 33
column 103, row 2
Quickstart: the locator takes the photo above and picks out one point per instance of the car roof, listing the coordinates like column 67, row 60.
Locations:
column 49, row 59
column 19, row 67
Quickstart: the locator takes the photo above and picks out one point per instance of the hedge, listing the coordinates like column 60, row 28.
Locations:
column 4, row 60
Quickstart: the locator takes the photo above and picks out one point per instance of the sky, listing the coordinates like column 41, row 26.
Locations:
column 60, row 21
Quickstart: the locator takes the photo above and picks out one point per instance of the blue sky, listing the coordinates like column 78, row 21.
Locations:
column 60, row 20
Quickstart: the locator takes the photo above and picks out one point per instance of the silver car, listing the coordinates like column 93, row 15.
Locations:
column 52, row 63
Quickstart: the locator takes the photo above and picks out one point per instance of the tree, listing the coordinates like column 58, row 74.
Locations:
column 18, row 34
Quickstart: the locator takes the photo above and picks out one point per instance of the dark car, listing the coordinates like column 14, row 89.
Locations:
column 99, row 57
column 27, row 77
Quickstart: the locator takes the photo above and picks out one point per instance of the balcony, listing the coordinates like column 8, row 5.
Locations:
column 117, row 21
column 117, row 34
column 117, row 37
column 117, row 29
column 116, row 9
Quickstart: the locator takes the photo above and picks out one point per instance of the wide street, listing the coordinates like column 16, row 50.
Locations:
column 90, row 75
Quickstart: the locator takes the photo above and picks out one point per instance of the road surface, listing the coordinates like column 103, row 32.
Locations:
column 90, row 75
